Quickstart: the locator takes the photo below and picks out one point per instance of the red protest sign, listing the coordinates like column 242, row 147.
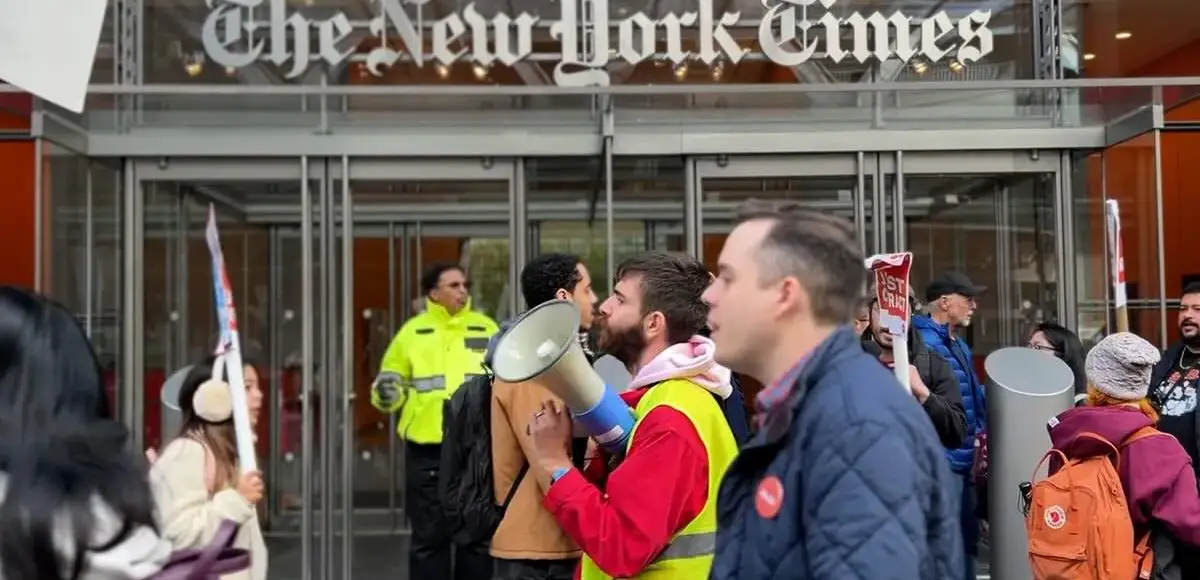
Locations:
column 891, row 289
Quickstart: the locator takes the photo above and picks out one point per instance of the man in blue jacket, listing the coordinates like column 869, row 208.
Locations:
column 845, row 478
column 950, row 303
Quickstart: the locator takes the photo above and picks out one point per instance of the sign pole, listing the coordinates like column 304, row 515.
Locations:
column 229, row 347
column 1116, row 253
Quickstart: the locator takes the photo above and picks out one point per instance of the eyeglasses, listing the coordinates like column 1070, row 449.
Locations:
column 1041, row 347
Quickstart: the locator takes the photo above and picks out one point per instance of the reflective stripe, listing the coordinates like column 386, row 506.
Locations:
column 467, row 377
column 476, row 343
column 428, row 384
column 389, row 377
column 689, row 546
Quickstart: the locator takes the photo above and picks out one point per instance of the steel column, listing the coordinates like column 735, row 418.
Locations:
column 610, row 259
column 276, row 374
column 518, row 233
column 1067, row 298
column 348, row 379
column 133, row 299
column 391, row 326
column 693, row 218
column 860, row 201
column 89, row 236
column 1162, row 250
column 899, row 235
column 879, row 219
column 307, row 356
column 328, row 366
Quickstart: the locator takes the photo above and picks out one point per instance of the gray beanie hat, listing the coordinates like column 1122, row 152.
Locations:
column 1119, row 366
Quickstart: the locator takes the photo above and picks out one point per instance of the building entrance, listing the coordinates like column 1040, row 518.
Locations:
column 319, row 296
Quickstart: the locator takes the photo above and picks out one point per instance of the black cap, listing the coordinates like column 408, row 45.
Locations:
column 952, row 283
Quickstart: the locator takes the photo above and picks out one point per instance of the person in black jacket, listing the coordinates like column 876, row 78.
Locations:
column 936, row 388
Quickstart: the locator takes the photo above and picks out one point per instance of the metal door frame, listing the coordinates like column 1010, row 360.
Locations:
column 319, row 242
column 889, row 171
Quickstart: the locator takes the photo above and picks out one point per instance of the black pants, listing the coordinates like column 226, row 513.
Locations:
column 431, row 556
column 535, row 569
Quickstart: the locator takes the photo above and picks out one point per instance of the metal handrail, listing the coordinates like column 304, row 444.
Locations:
column 1154, row 83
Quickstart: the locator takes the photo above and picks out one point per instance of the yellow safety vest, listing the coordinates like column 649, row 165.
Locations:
column 431, row 356
column 690, row 553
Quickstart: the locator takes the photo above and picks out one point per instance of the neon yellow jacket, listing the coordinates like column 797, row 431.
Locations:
column 431, row 356
column 690, row 553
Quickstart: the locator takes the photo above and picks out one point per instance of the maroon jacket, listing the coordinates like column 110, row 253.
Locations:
column 1156, row 472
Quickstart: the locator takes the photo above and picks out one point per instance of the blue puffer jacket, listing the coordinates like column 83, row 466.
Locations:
column 958, row 354
column 845, row 480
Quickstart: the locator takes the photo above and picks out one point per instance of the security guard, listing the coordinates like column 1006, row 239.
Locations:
column 434, row 353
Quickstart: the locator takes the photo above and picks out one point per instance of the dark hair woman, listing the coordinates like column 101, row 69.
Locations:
column 68, row 476
column 196, row 479
column 1055, row 339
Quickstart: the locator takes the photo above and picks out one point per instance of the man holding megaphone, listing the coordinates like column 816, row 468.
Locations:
column 656, row 514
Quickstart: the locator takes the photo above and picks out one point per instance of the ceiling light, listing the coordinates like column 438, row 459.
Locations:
column 193, row 64
column 681, row 72
column 1122, row 35
column 920, row 67
column 1088, row 56
column 443, row 71
column 956, row 66
column 480, row 72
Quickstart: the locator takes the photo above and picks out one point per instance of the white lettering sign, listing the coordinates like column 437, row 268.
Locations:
column 237, row 33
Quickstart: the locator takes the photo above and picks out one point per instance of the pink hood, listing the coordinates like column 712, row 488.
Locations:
column 1156, row 472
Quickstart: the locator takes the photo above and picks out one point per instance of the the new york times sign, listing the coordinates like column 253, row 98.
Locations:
column 234, row 37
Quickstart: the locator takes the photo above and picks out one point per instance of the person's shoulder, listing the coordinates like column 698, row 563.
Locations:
column 138, row 554
column 419, row 321
column 120, row 551
column 859, row 390
column 477, row 318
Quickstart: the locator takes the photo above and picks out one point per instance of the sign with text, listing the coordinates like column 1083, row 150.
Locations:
column 891, row 290
column 229, row 347
column 237, row 33
column 1116, row 256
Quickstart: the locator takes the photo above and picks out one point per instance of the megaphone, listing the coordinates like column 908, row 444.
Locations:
column 544, row 343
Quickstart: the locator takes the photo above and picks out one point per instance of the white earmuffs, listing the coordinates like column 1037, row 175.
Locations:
column 212, row 401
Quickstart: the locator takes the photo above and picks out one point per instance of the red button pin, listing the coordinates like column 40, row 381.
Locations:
column 768, row 500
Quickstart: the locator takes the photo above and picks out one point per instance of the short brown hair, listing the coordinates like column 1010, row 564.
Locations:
column 819, row 250
column 672, row 284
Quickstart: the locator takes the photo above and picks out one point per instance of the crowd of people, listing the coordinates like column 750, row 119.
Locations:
column 828, row 471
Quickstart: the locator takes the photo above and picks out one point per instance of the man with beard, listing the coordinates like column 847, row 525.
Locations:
column 656, row 514
column 930, row 378
column 1173, row 385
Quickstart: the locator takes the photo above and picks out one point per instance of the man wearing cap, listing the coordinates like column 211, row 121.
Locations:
column 950, row 303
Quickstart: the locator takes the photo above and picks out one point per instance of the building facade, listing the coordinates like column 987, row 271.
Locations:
column 346, row 144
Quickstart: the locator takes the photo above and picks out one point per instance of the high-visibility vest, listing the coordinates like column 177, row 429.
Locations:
column 431, row 356
column 690, row 553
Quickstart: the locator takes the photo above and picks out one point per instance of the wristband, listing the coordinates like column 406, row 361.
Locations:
column 558, row 474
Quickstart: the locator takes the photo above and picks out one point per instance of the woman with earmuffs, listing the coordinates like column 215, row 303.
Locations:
column 196, row 479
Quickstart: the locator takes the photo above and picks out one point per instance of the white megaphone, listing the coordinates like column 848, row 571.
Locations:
column 544, row 343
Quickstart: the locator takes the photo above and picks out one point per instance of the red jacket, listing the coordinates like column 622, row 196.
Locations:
column 660, row 486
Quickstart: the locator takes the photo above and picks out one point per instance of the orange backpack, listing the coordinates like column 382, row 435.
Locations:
column 1078, row 522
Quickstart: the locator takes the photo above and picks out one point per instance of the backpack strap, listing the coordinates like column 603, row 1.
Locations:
column 1140, row 434
column 512, row 491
